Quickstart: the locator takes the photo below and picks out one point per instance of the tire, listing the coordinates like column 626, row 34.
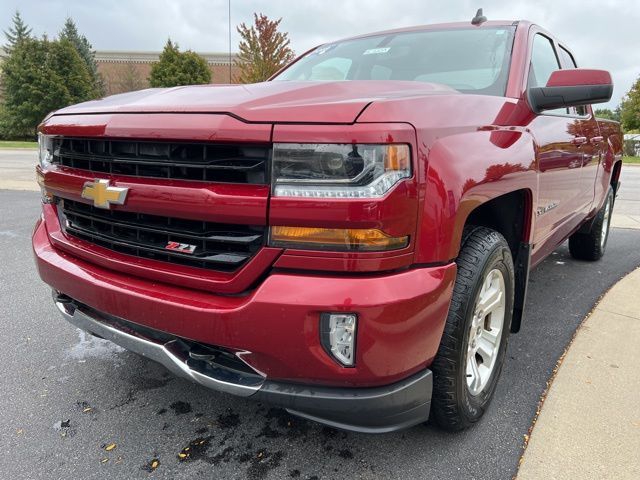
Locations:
column 591, row 246
column 459, row 400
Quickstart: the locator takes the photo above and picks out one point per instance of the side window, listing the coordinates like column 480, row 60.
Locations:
column 543, row 63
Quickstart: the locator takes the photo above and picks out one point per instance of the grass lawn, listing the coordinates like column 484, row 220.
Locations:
column 11, row 144
column 635, row 160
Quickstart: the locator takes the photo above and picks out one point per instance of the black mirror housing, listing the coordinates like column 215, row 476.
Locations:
column 548, row 98
column 571, row 88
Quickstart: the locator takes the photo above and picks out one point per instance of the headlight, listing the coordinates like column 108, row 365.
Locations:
column 338, row 170
column 45, row 150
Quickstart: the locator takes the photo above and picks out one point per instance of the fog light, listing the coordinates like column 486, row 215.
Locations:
column 338, row 336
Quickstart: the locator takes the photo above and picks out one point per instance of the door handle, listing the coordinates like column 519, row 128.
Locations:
column 579, row 141
column 596, row 140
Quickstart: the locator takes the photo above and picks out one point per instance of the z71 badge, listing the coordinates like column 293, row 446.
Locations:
column 181, row 247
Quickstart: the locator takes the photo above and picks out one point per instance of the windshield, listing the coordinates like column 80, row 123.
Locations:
column 471, row 60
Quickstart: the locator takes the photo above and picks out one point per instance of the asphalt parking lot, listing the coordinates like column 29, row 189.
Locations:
column 67, row 398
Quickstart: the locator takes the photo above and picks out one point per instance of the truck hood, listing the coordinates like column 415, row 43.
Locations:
column 281, row 101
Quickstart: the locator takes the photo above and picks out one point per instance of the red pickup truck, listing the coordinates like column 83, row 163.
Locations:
column 350, row 240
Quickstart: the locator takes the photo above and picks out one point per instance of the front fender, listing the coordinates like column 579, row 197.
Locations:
column 462, row 172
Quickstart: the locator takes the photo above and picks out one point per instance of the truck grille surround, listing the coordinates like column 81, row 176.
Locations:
column 208, row 162
column 221, row 247
column 210, row 245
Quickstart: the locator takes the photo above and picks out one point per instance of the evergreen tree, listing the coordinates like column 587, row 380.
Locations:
column 37, row 77
column 85, row 50
column 263, row 50
column 176, row 68
column 17, row 33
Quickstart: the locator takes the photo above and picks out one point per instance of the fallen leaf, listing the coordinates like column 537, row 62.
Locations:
column 110, row 447
column 154, row 464
column 104, row 460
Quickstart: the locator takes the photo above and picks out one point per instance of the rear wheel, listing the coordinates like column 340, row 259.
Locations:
column 473, row 345
column 591, row 245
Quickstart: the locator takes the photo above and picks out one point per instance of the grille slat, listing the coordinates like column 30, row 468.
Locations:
column 225, row 163
column 222, row 247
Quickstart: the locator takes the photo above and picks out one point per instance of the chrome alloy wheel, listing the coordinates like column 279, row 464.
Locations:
column 605, row 224
column 485, row 331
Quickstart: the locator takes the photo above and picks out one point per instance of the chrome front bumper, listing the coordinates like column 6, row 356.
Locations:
column 168, row 354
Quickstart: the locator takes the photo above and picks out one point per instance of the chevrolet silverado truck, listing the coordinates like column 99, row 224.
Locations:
column 350, row 240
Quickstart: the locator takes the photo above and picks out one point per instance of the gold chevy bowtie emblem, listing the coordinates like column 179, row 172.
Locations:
column 102, row 194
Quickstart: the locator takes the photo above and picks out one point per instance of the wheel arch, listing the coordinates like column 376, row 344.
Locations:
column 615, row 176
column 510, row 214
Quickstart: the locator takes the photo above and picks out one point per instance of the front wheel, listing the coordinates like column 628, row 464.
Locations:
column 471, row 353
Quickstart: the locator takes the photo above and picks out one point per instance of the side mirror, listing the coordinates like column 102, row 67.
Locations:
column 571, row 88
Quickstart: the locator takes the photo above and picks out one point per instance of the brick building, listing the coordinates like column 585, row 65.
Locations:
column 124, row 71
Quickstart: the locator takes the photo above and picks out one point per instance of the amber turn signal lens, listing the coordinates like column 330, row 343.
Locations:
column 348, row 239
column 47, row 197
column 396, row 157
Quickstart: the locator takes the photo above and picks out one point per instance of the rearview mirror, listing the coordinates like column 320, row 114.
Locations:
column 571, row 88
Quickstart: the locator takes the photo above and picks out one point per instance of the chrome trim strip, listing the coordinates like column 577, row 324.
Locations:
column 160, row 353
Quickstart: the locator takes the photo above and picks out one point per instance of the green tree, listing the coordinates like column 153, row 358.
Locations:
column 17, row 33
column 608, row 113
column 263, row 50
column 176, row 68
column 37, row 77
column 85, row 50
column 630, row 108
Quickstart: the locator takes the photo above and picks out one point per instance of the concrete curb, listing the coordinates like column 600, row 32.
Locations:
column 621, row 220
column 589, row 426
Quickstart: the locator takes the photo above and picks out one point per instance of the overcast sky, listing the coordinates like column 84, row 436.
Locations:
column 602, row 33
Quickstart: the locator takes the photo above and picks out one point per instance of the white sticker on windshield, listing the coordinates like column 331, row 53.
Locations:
column 376, row 51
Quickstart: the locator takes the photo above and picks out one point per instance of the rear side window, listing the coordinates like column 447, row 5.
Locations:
column 568, row 61
column 543, row 62
column 566, row 58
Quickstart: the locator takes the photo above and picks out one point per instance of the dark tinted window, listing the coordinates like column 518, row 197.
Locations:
column 474, row 60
